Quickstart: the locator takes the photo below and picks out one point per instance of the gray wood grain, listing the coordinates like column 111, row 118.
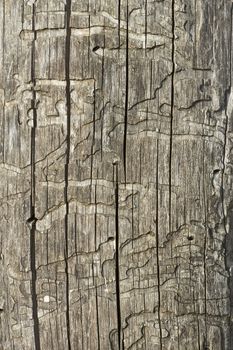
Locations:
column 116, row 133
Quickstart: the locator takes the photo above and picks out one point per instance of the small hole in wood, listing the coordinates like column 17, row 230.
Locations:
column 190, row 238
column 95, row 48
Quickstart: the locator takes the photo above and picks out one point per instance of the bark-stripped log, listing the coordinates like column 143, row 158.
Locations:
column 116, row 129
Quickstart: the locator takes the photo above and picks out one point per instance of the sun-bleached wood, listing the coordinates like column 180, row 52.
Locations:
column 116, row 129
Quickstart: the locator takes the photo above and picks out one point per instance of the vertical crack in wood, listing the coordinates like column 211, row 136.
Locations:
column 140, row 164
column 171, row 113
column 117, row 263
column 126, row 92
column 96, row 287
column 119, row 23
column 3, row 64
column 97, row 319
column 75, row 233
column 81, row 328
column 226, row 99
column 103, row 64
column 32, row 219
column 145, row 26
column 47, row 207
column 103, row 103
column 198, row 332
column 93, row 131
column 95, row 219
column 132, row 215
column 151, row 80
column 230, row 279
column 68, row 123
column 22, row 14
column 89, row 39
column 227, row 214
column 205, row 246
column 157, row 245
column 101, row 132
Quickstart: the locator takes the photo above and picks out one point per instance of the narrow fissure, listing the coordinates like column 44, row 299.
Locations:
column 132, row 215
column 205, row 246
column 3, row 64
column 68, row 122
column 103, row 64
column 126, row 92
column 157, row 244
column 32, row 220
column 227, row 234
column 93, row 131
column 172, row 113
column 119, row 23
column 97, row 319
column 145, row 26
column 117, row 263
column 89, row 40
column 198, row 332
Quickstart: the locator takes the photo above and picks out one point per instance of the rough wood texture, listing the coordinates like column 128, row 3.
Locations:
column 116, row 175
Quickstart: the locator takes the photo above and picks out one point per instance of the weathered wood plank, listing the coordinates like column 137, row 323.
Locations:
column 116, row 174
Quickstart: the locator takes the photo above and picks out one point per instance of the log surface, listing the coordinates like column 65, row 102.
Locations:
column 116, row 168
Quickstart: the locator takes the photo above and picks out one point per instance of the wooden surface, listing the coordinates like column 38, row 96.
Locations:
column 116, row 169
